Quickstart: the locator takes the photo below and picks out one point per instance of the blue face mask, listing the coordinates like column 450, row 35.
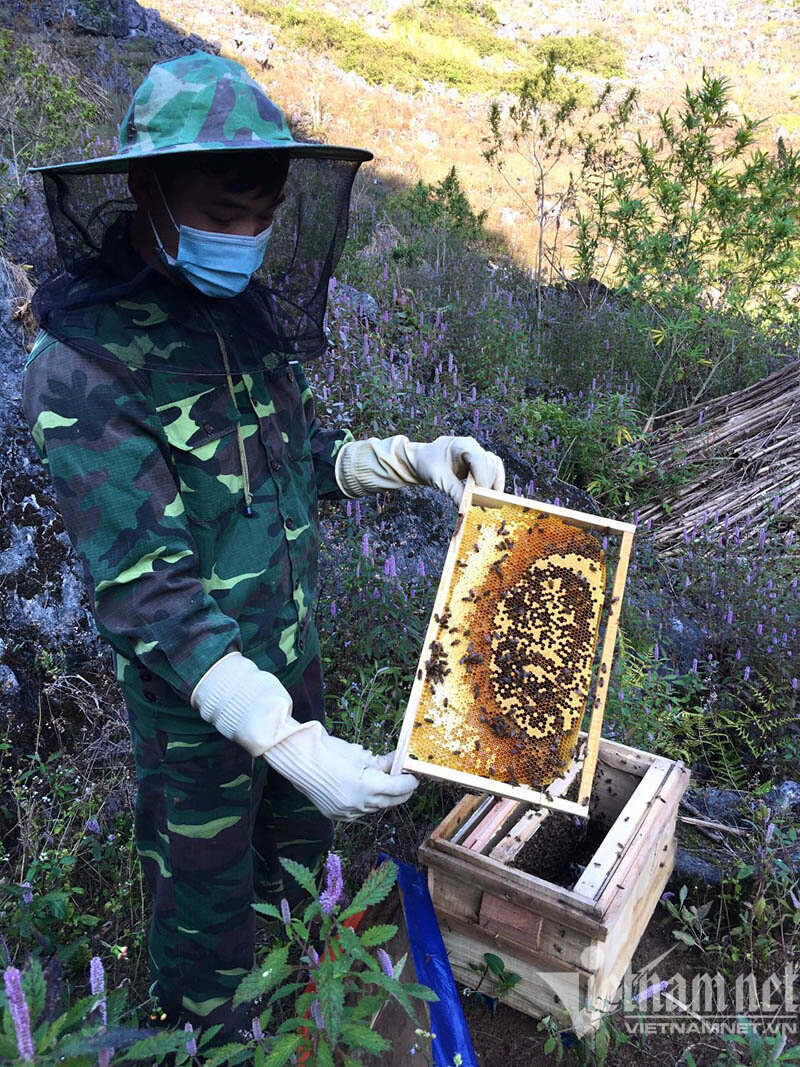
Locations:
column 218, row 264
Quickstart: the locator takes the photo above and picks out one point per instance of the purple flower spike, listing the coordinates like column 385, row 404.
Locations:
column 97, row 983
column 316, row 1015
column 329, row 897
column 365, row 546
column 20, row 1016
column 286, row 913
column 421, row 568
column 390, row 566
column 333, row 609
column 258, row 1032
column 92, row 825
column 191, row 1044
column 358, row 512
column 27, row 893
column 746, row 674
column 313, row 955
column 386, row 963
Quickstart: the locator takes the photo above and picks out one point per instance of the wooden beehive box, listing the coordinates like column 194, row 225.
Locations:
column 571, row 946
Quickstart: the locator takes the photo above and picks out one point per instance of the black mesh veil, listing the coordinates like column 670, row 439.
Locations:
column 104, row 286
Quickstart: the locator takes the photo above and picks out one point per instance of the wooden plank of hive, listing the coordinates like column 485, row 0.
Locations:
column 552, row 901
column 538, row 988
column 604, row 670
column 487, row 785
column 623, row 831
column 506, row 849
column 642, row 846
column 491, row 825
column 627, row 913
column 458, row 816
column 491, row 498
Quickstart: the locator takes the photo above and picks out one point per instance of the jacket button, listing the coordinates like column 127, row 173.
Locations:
column 290, row 523
column 275, row 464
column 289, row 375
column 150, row 696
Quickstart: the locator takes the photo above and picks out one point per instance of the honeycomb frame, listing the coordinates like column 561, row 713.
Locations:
column 461, row 704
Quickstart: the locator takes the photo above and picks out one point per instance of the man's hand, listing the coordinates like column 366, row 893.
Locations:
column 344, row 781
column 253, row 708
column 372, row 465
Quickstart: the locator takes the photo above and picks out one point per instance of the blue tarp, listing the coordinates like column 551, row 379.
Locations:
column 433, row 969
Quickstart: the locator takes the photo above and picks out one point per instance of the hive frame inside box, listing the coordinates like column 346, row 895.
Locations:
column 571, row 947
column 597, row 693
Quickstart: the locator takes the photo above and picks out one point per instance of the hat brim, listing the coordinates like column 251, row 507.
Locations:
column 118, row 164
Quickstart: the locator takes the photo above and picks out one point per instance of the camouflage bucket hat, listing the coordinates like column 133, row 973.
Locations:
column 201, row 103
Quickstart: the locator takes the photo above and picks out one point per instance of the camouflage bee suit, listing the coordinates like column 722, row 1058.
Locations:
column 151, row 486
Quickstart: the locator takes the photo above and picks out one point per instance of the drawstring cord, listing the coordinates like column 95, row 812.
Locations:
column 248, row 496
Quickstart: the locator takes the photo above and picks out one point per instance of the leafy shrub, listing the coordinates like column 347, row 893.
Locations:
column 444, row 204
column 39, row 111
column 587, row 52
column 703, row 234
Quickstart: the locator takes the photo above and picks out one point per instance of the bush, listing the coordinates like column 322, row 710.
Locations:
column 40, row 110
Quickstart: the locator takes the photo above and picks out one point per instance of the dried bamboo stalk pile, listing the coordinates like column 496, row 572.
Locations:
column 747, row 446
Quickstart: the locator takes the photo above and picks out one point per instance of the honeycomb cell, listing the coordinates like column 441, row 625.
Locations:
column 508, row 673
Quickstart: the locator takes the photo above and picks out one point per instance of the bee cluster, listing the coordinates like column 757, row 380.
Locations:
column 509, row 670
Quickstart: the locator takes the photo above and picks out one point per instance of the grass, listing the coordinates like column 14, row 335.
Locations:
column 445, row 43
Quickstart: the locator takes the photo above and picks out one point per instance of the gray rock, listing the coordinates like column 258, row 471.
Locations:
column 19, row 552
column 693, row 869
column 720, row 805
column 784, row 797
column 9, row 686
column 104, row 19
column 12, row 340
column 346, row 298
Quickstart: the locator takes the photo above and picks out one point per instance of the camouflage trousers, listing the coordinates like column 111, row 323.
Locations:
column 211, row 823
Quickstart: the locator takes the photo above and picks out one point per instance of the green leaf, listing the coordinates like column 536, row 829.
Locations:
column 283, row 1048
column 232, row 1052
column 267, row 909
column 357, row 1036
column 285, row 991
column 367, row 1006
column 211, row 1032
column 422, row 992
column 300, row 874
column 35, row 989
column 330, row 994
column 377, row 935
column 154, row 1046
column 324, row 1055
column 549, row 1045
column 745, row 871
column 494, row 963
column 265, row 976
column 376, row 888
column 681, row 935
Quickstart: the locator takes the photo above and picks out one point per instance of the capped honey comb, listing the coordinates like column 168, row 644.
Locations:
column 508, row 672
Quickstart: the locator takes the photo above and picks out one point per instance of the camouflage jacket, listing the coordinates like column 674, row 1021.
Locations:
column 149, row 475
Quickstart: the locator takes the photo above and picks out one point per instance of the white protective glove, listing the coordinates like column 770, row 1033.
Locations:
column 372, row 465
column 253, row 708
